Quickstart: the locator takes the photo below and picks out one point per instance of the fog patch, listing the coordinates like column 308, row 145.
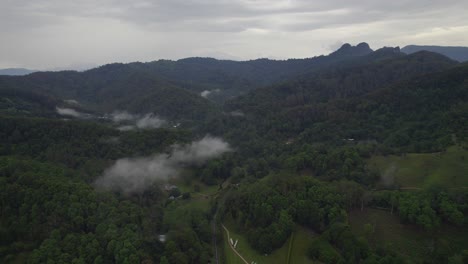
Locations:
column 150, row 121
column 388, row 177
column 207, row 93
column 119, row 116
column 68, row 112
column 134, row 121
column 133, row 175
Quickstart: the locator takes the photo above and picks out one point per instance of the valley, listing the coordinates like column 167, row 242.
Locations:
column 358, row 156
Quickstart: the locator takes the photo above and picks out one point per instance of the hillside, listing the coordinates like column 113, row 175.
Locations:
column 455, row 53
column 354, row 157
column 370, row 72
column 223, row 79
column 169, row 83
column 23, row 102
column 117, row 88
column 311, row 105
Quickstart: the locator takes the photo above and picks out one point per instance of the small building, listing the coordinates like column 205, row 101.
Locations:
column 162, row 238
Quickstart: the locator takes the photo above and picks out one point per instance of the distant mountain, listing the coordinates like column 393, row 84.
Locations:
column 366, row 74
column 410, row 103
column 116, row 87
column 184, row 90
column 15, row 71
column 455, row 53
column 177, row 90
column 347, row 50
column 220, row 80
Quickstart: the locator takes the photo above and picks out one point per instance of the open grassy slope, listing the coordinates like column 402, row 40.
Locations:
column 300, row 245
column 419, row 170
column 411, row 241
column 277, row 257
column 297, row 244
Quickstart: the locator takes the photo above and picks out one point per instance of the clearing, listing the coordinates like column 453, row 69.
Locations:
column 421, row 170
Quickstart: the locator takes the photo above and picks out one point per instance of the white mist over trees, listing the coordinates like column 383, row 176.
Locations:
column 131, row 175
column 68, row 112
column 146, row 121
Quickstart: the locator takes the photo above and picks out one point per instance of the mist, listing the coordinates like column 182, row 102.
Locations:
column 388, row 177
column 207, row 93
column 68, row 112
column 150, row 121
column 147, row 121
column 134, row 175
column 72, row 102
column 120, row 116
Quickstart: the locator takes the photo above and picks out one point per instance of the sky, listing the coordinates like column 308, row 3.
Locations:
column 80, row 34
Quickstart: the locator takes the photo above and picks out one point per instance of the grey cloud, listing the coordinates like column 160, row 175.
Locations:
column 212, row 13
column 55, row 33
column 130, row 175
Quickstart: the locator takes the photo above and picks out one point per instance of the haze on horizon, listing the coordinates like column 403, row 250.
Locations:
column 56, row 34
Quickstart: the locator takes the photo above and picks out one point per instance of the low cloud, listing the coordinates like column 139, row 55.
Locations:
column 69, row 112
column 119, row 116
column 150, row 121
column 134, row 121
column 132, row 175
column 207, row 93
column 388, row 177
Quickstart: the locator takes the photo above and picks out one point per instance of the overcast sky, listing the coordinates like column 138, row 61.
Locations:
column 51, row 34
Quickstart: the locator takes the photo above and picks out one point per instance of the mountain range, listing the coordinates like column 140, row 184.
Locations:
column 455, row 53
column 315, row 159
column 15, row 71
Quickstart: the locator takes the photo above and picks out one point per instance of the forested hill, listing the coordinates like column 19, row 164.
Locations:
column 24, row 100
column 455, row 53
column 116, row 87
column 376, row 70
column 160, row 86
column 15, row 71
column 233, row 78
column 342, row 103
column 354, row 157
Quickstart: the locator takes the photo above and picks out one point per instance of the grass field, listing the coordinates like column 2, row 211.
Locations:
column 298, row 244
column 447, row 169
column 409, row 240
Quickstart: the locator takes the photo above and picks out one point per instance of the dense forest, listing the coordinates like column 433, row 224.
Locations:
column 260, row 148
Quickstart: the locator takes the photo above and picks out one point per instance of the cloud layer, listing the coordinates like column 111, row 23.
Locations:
column 71, row 33
column 131, row 175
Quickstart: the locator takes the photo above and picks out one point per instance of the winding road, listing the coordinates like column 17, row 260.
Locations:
column 232, row 247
